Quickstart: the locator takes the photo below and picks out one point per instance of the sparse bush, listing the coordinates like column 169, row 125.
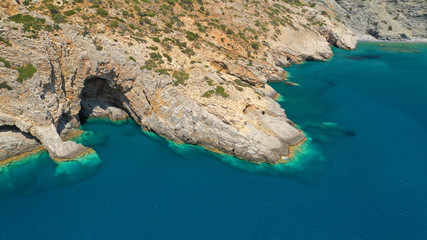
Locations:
column 149, row 65
column 69, row 13
column 5, row 86
column 255, row 45
column 26, row 72
column 30, row 23
column 6, row 63
column 186, row 4
column 191, row 36
column 221, row 91
column 59, row 18
column 163, row 71
column 8, row 44
column 180, row 77
column 155, row 56
column 102, row 12
column 168, row 57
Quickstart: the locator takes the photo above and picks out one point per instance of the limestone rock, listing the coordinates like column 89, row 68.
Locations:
column 205, row 89
column 14, row 142
column 381, row 19
column 54, row 144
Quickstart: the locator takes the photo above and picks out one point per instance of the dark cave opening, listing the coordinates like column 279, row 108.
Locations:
column 98, row 98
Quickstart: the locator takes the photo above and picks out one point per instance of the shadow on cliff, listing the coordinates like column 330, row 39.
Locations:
column 97, row 96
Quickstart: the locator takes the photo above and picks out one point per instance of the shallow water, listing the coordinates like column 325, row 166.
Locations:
column 362, row 175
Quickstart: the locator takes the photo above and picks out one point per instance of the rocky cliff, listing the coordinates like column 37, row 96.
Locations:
column 379, row 19
column 193, row 72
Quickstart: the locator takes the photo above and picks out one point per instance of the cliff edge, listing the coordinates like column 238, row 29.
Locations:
column 193, row 72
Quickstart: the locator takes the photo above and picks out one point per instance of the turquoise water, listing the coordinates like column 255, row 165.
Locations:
column 362, row 175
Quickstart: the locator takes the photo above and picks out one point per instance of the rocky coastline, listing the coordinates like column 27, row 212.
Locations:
column 201, row 78
column 380, row 20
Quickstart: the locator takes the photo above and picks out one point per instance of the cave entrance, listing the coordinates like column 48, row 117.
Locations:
column 100, row 100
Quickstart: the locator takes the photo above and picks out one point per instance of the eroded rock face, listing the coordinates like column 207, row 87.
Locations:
column 99, row 100
column 215, row 97
column 13, row 142
column 381, row 19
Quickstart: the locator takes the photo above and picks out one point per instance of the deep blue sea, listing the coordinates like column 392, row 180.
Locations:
column 361, row 175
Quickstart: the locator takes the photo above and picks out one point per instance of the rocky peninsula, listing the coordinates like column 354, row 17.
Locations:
column 195, row 72
column 388, row 20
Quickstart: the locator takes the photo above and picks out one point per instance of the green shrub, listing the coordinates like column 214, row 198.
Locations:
column 238, row 88
column 163, row 71
column 132, row 58
column 59, row 18
column 155, row 56
column 114, row 24
column 240, row 83
column 168, row 57
column 188, row 51
column 30, row 23
column 221, row 91
column 180, row 77
column 99, row 48
column 186, row 4
column 255, row 45
column 6, row 63
column 191, row 36
column 208, row 94
column 69, row 13
column 5, row 86
column 156, row 39
column 102, row 12
column 26, row 72
column 149, row 65
column 8, row 44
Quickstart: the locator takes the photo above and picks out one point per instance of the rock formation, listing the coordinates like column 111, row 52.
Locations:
column 380, row 19
column 193, row 72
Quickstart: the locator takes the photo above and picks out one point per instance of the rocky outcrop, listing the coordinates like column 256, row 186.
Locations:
column 380, row 19
column 205, row 89
column 14, row 142
column 57, row 149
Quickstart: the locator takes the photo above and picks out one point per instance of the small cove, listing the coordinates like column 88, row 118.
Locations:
column 363, row 174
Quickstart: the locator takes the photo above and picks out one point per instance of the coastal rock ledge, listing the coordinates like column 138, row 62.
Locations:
column 211, row 91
